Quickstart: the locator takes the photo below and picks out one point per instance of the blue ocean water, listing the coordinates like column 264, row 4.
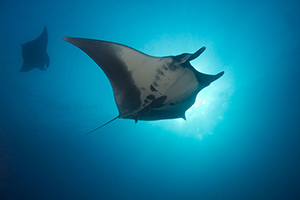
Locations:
column 241, row 138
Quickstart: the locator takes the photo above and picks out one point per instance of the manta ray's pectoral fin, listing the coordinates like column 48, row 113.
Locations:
column 103, row 124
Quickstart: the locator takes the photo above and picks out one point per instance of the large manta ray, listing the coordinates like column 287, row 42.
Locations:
column 34, row 53
column 147, row 87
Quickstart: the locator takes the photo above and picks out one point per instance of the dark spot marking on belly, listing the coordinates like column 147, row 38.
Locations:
column 173, row 67
column 159, row 72
column 150, row 97
column 158, row 102
column 157, row 78
column 152, row 88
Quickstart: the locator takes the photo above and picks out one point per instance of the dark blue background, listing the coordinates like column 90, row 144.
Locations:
column 241, row 138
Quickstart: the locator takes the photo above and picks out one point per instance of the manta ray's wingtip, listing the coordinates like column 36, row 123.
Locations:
column 73, row 40
column 69, row 39
column 65, row 38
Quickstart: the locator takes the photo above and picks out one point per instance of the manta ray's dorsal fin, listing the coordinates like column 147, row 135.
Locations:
column 103, row 125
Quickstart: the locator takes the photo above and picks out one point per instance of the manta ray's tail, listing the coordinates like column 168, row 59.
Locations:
column 9, row 37
column 103, row 125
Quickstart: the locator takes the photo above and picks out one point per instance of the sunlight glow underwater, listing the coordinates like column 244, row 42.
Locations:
column 208, row 110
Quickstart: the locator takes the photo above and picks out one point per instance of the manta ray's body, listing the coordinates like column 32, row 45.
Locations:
column 34, row 53
column 147, row 87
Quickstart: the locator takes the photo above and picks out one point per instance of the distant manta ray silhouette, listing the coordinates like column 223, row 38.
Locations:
column 147, row 87
column 34, row 53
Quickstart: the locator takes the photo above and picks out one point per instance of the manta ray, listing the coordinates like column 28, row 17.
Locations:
column 147, row 87
column 34, row 53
